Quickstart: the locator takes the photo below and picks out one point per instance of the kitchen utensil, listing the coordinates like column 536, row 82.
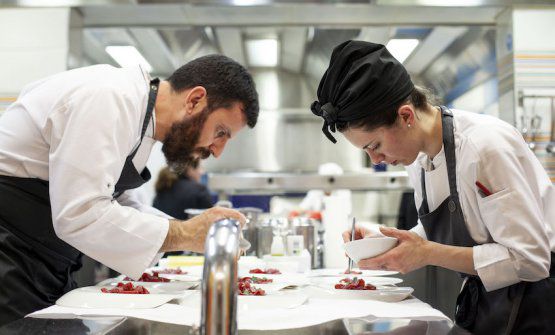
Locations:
column 550, row 148
column 350, row 265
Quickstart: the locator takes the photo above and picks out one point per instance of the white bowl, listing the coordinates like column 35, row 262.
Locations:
column 369, row 247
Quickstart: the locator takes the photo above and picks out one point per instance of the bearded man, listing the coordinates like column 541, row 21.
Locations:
column 73, row 143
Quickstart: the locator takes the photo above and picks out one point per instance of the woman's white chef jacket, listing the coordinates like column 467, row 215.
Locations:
column 75, row 129
column 514, row 226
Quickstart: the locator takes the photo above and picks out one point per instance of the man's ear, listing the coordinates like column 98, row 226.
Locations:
column 406, row 115
column 195, row 100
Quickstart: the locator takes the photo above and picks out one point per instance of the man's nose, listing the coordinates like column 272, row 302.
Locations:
column 217, row 148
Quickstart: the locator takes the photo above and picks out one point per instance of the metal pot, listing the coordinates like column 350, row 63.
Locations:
column 249, row 230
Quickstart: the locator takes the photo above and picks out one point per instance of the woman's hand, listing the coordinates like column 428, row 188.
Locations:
column 410, row 253
column 360, row 232
column 190, row 235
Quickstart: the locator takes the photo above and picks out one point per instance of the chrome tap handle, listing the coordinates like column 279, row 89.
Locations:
column 219, row 279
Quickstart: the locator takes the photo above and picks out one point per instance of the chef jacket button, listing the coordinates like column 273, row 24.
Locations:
column 452, row 206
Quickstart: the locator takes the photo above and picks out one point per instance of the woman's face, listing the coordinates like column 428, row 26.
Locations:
column 391, row 145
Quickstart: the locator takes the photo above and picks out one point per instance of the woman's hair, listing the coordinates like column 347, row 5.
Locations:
column 166, row 179
column 419, row 98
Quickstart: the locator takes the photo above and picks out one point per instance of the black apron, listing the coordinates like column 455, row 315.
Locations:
column 35, row 265
column 522, row 308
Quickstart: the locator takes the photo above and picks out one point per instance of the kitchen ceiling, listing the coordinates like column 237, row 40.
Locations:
column 456, row 40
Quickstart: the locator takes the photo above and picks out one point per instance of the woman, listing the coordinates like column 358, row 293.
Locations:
column 177, row 192
column 486, row 205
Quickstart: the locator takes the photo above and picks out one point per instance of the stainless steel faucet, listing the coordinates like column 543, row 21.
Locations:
column 219, row 279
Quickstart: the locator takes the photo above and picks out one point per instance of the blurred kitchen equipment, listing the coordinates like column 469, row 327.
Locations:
column 250, row 229
column 307, row 228
column 265, row 234
column 550, row 148
column 535, row 126
column 295, row 245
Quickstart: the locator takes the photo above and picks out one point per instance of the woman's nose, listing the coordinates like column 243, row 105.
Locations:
column 375, row 157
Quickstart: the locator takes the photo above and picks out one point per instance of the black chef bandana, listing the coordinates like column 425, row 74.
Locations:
column 362, row 78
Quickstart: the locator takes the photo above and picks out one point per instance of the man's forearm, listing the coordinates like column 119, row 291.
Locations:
column 178, row 237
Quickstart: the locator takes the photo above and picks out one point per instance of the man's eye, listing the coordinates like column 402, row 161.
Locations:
column 220, row 133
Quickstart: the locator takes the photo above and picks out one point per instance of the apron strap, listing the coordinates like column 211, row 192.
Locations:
column 154, row 83
column 449, row 148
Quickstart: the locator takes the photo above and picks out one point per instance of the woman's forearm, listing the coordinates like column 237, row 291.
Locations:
column 458, row 259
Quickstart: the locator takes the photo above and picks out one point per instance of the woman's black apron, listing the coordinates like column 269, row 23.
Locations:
column 35, row 265
column 522, row 308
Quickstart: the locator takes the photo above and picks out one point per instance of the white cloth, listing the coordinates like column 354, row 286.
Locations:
column 315, row 311
column 75, row 129
column 514, row 226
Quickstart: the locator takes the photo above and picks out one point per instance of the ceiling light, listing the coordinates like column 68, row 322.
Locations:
column 262, row 52
column 128, row 56
column 401, row 48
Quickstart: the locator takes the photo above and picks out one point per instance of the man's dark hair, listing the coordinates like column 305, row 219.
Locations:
column 225, row 81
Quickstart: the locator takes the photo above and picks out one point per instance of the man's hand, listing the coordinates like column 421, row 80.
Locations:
column 190, row 235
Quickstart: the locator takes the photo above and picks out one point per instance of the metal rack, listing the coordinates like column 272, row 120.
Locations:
column 291, row 182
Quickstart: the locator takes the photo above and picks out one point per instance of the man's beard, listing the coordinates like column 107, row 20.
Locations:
column 180, row 143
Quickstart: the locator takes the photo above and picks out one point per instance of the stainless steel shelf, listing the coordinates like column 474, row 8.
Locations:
column 290, row 182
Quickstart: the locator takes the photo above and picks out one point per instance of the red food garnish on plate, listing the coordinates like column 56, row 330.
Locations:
column 245, row 288
column 170, row 272
column 353, row 272
column 266, row 271
column 354, row 284
column 126, row 288
column 255, row 280
column 145, row 277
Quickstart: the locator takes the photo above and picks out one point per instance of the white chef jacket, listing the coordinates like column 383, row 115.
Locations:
column 75, row 129
column 513, row 226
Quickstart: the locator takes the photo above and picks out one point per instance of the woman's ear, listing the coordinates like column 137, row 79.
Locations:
column 195, row 100
column 406, row 115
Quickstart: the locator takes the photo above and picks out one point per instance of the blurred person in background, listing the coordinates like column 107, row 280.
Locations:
column 485, row 203
column 176, row 192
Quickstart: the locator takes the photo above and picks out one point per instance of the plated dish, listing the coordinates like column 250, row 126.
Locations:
column 340, row 272
column 378, row 281
column 93, row 297
column 169, row 286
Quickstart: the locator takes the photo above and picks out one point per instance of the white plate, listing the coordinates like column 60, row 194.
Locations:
column 381, row 293
column 340, row 272
column 272, row 300
column 376, row 281
column 92, row 297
